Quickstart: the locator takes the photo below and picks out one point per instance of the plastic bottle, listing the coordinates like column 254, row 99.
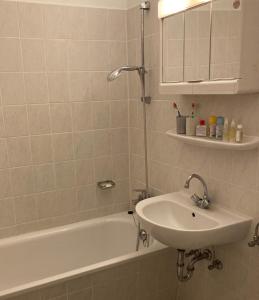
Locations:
column 201, row 129
column 232, row 132
column 226, row 131
column 239, row 133
column 212, row 126
column 219, row 128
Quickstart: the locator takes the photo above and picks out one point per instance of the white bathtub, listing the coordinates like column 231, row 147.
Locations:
column 41, row 258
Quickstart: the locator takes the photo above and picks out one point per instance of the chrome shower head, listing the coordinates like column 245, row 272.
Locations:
column 116, row 73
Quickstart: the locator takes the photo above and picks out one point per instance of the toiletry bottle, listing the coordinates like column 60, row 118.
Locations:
column 219, row 128
column 226, row 131
column 239, row 134
column 212, row 126
column 190, row 126
column 232, row 132
column 201, row 129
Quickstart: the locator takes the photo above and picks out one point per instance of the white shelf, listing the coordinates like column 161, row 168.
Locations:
column 250, row 142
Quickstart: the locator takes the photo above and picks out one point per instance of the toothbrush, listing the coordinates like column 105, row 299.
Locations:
column 193, row 108
column 176, row 107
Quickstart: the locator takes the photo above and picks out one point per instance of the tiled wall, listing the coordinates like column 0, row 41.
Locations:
column 149, row 278
column 62, row 126
column 232, row 177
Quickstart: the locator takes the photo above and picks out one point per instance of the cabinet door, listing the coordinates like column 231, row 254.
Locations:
column 197, row 43
column 226, row 39
column 173, row 48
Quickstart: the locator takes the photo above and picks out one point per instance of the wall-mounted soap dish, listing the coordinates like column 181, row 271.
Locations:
column 250, row 142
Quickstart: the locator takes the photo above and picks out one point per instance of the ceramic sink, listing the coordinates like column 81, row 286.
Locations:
column 174, row 220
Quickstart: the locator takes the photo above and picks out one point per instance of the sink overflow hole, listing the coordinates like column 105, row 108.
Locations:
column 193, row 214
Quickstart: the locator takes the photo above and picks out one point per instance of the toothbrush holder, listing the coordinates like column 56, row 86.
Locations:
column 181, row 124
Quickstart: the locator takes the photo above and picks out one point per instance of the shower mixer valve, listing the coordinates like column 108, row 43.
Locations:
column 255, row 240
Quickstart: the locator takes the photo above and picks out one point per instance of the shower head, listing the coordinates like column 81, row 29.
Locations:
column 116, row 73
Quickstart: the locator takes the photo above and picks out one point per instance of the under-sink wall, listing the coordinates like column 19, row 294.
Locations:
column 62, row 126
column 232, row 177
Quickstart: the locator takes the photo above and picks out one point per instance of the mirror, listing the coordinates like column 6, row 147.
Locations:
column 225, row 40
column 202, row 43
column 197, row 43
column 172, row 48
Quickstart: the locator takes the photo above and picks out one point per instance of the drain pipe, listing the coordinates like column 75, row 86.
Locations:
column 198, row 255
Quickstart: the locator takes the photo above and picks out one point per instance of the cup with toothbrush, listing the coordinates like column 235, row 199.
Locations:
column 180, row 121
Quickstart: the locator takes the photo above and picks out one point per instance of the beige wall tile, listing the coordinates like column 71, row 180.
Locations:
column 101, row 114
column 84, row 172
column 61, row 120
column 80, row 86
column 5, row 184
column 98, row 79
column 119, row 141
column 79, row 55
column 103, row 168
column 41, row 147
column 119, row 114
column 65, row 174
column 102, row 143
column 116, row 25
column 12, row 88
column 97, row 21
column 33, row 55
column 118, row 90
column 121, row 166
column 45, row 178
column 6, row 213
column 19, row 151
column 3, row 154
column 87, row 200
column 79, row 23
column 15, row 118
column 56, row 55
column 54, row 59
column 9, row 26
column 83, row 294
column 99, row 56
column 82, row 116
column 25, row 208
column 83, row 145
column 118, row 54
column 31, row 20
column 23, row 180
column 36, row 89
column 63, row 146
column 58, row 87
column 10, row 55
column 57, row 21
column 39, row 120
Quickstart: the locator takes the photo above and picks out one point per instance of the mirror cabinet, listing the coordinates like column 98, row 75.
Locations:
column 211, row 49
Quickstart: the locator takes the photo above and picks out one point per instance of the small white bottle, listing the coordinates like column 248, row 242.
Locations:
column 226, row 131
column 239, row 134
column 232, row 132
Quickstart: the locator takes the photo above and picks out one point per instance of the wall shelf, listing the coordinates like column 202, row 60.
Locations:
column 250, row 142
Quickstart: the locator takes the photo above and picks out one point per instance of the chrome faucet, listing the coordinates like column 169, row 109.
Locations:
column 142, row 195
column 203, row 202
column 255, row 240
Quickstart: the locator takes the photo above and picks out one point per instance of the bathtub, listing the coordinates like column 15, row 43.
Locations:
column 38, row 259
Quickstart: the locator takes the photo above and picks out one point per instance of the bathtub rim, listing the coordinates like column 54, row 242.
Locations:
column 79, row 272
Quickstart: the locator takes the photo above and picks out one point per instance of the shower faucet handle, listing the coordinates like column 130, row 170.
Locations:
column 255, row 240
column 143, row 194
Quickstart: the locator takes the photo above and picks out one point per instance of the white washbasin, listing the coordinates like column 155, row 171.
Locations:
column 174, row 220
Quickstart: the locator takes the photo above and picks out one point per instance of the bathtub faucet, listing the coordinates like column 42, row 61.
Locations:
column 142, row 195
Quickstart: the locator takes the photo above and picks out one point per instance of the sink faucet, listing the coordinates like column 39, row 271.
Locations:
column 203, row 202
